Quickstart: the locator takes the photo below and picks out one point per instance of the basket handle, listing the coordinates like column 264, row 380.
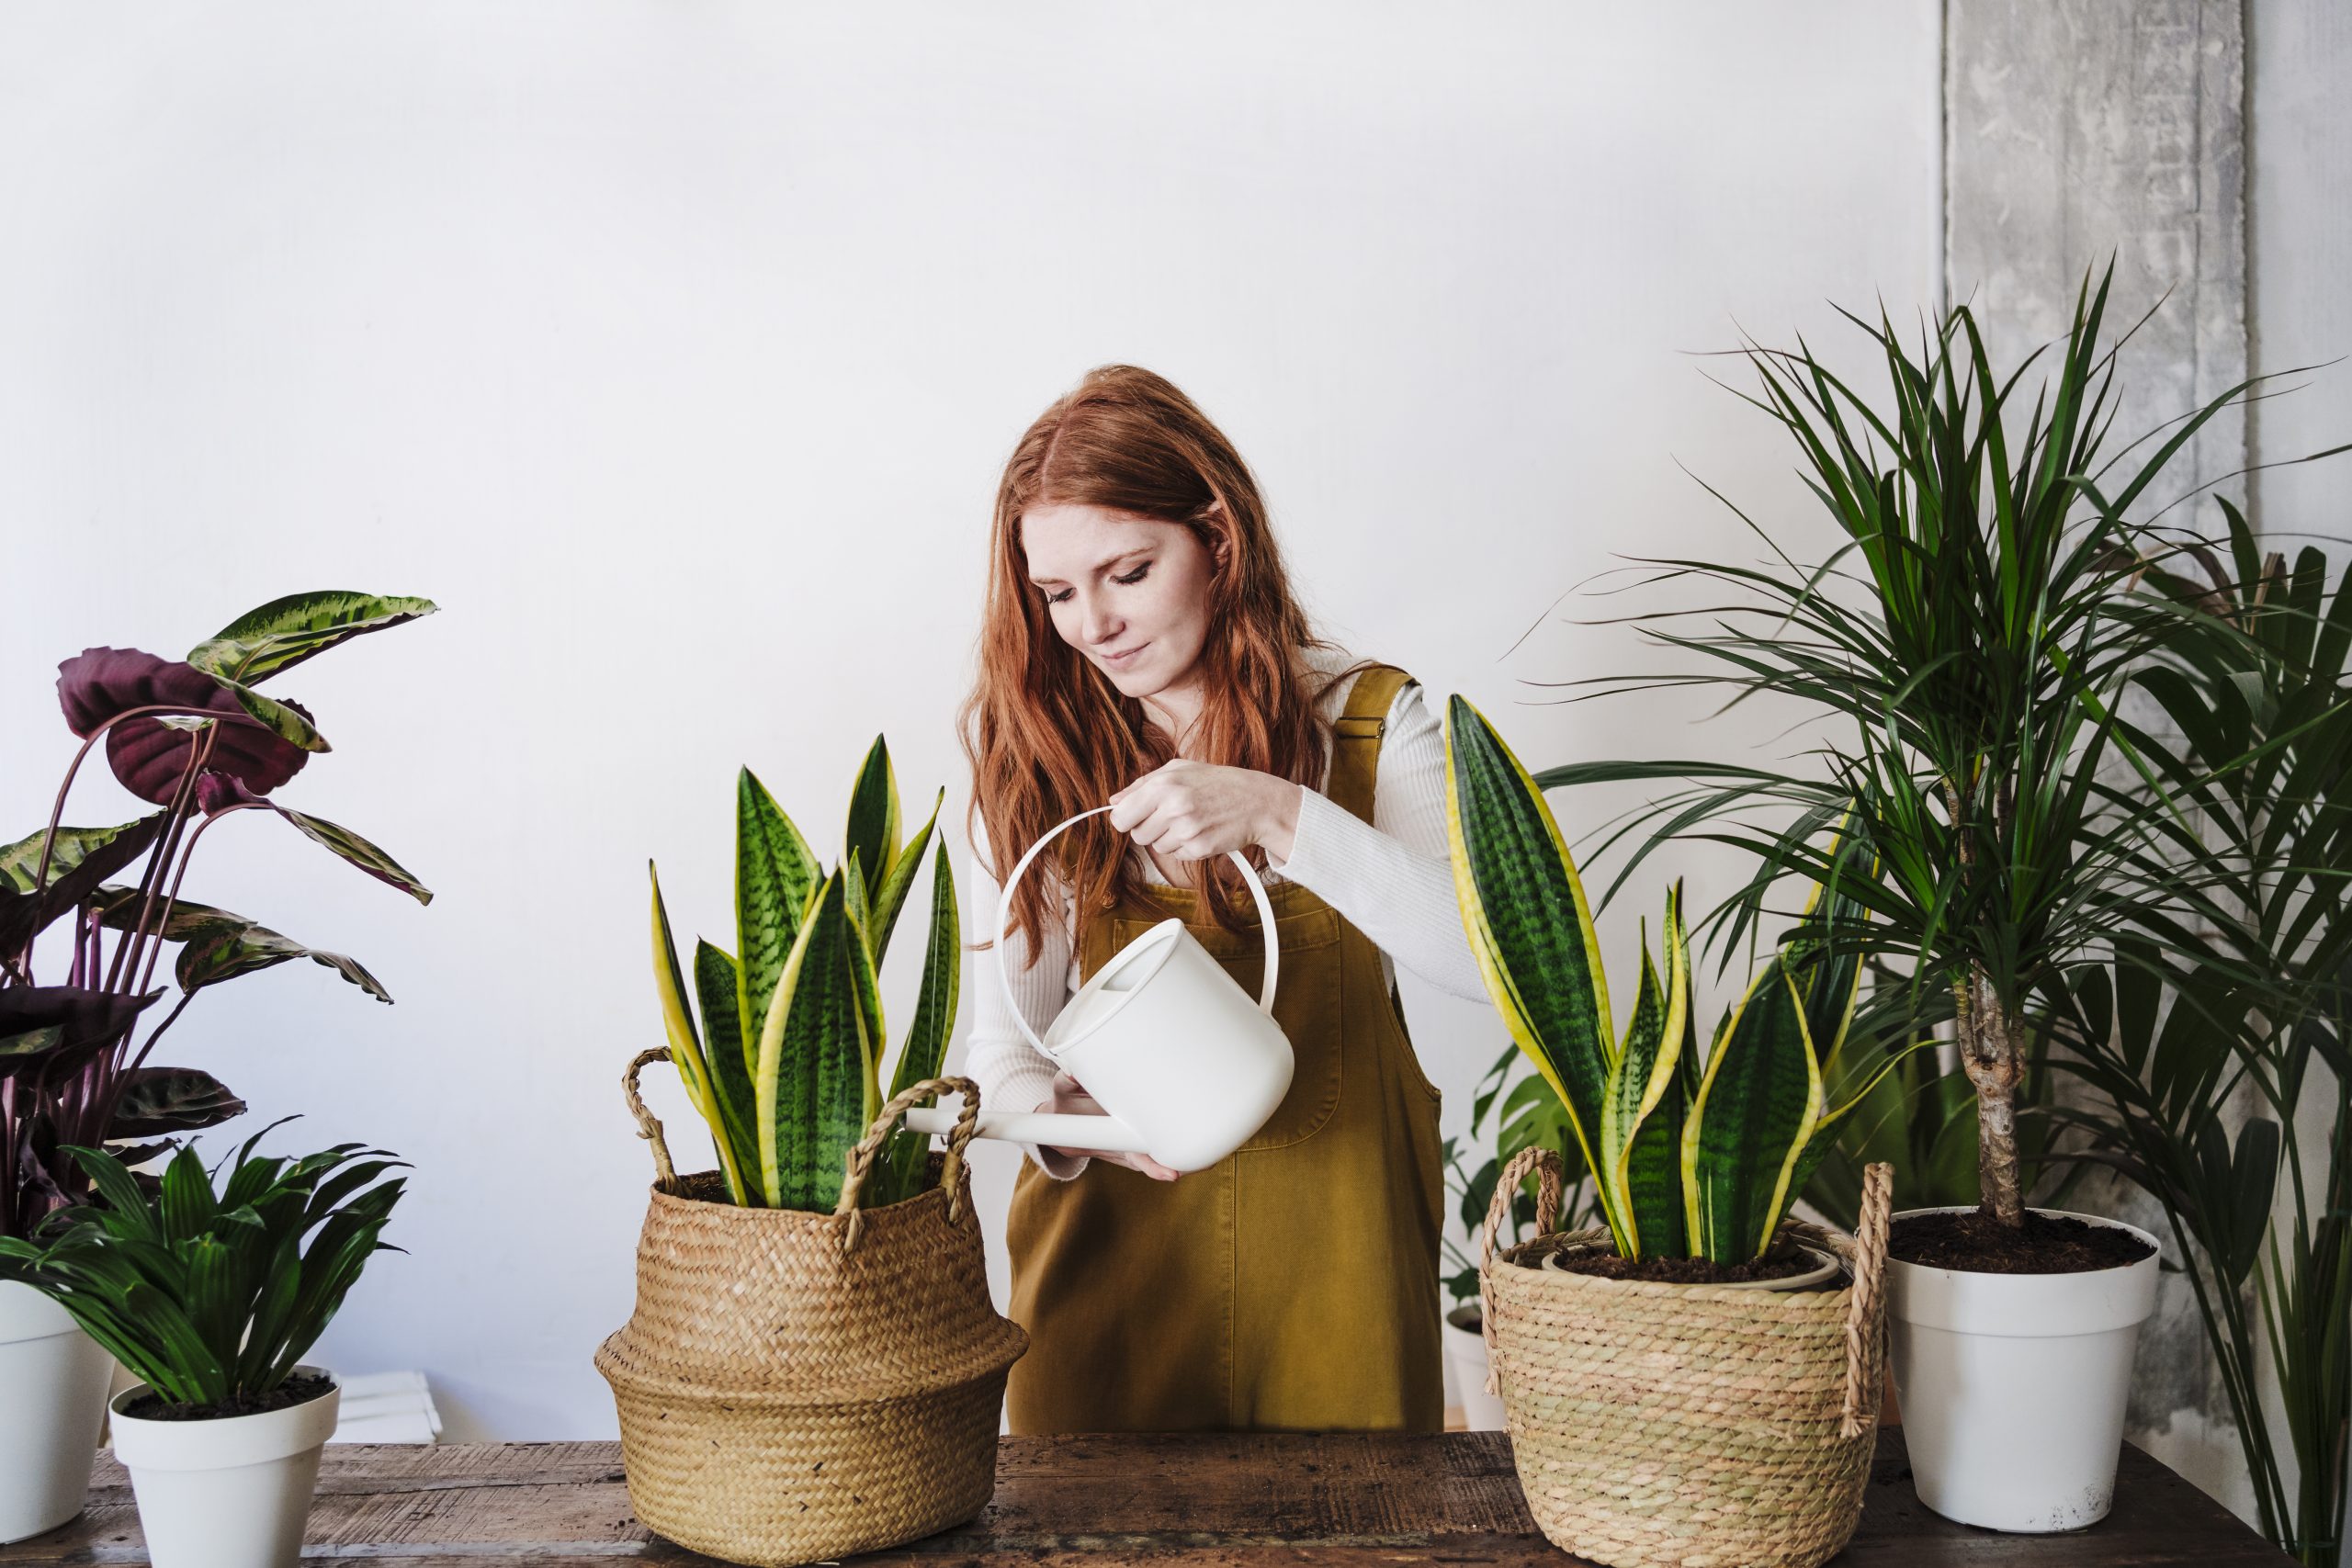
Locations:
column 1549, row 1175
column 860, row 1160
column 648, row 1126
column 1864, row 1312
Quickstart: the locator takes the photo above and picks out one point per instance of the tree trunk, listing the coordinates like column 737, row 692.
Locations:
column 1992, row 1051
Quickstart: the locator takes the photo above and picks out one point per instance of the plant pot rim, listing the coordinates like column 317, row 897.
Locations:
column 226, row 1442
column 1828, row 1264
column 765, row 1215
column 115, row 1405
column 2155, row 1256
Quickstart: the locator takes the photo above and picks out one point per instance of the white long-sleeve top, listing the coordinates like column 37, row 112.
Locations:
column 1392, row 878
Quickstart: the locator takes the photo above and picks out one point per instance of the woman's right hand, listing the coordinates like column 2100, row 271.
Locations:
column 1070, row 1098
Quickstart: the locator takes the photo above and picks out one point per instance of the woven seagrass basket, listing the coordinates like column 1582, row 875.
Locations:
column 1687, row 1427
column 797, row 1386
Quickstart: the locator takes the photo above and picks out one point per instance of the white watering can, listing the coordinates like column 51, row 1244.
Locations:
column 1188, row 1067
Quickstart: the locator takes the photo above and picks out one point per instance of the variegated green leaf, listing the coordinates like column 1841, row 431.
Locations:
column 775, row 876
column 1756, row 1106
column 1648, row 1213
column 686, row 1046
column 873, row 832
column 223, row 951
column 20, row 862
column 891, row 895
column 731, row 1061
column 866, row 987
column 285, row 632
column 351, row 847
column 936, row 1003
column 1528, row 923
column 812, row 1062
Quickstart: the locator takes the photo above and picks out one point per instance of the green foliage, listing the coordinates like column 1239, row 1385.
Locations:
column 1981, row 613
column 1691, row 1154
column 2257, row 739
column 211, row 1295
column 786, row 1065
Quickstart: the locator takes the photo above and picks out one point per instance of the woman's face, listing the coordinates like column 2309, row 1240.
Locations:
column 1131, row 594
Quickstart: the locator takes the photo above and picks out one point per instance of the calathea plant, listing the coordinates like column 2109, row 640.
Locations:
column 196, row 739
column 211, row 1296
column 786, row 1067
column 1691, row 1155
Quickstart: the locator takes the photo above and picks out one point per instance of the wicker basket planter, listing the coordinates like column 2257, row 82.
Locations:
column 1687, row 1427
column 799, row 1386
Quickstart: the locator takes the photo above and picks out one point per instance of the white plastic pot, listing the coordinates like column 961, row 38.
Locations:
column 54, row 1378
column 2013, row 1385
column 1465, row 1355
column 232, row 1493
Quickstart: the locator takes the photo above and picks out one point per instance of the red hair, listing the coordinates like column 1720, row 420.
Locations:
column 1048, row 734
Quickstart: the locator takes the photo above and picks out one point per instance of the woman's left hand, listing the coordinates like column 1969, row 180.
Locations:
column 1188, row 810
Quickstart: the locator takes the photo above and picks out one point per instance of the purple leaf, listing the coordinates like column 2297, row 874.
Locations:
column 149, row 755
column 170, row 1100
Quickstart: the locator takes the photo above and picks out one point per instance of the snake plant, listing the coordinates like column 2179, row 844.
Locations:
column 786, row 1065
column 1691, row 1154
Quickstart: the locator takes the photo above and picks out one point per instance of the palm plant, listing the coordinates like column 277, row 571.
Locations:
column 1690, row 1155
column 196, row 739
column 787, row 1067
column 2258, row 739
column 1974, row 628
column 211, row 1295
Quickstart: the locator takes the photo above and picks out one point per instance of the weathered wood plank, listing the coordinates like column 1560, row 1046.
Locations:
column 1341, row 1501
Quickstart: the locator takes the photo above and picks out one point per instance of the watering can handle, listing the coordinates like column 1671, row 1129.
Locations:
column 1004, row 912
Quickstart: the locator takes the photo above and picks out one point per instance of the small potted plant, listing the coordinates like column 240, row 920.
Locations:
column 816, row 1310
column 196, row 739
column 1699, row 1379
column 209, row 1290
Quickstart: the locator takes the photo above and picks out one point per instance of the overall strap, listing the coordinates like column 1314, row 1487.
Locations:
column 1355, row 740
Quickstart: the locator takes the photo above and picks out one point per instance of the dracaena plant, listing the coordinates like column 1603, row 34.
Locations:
column 786, row 1065
column 1968, row 639
column 198, row 739
column 210, row 1295
column 1691, row 1154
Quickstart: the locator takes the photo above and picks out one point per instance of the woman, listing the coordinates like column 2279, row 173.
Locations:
column 1142, row 646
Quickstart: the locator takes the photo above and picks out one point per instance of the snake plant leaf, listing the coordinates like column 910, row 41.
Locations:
column 282, row 633
column 775, row 876
column 1647, row 1203
column 891, row 895
column 1757, row 1105
column 223, row 952
column 866, row 988
column 873, row 834
column 730, row 1056
column 812, row 1062
column 157, row 1100
column 936, row 1001
column 685, row 1045
column 1529, row 924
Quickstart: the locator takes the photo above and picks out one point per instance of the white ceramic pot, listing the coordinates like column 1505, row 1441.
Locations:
column 54, row 1378
column 2013, row 1385
column 233, row 1493
column 1465, row 1355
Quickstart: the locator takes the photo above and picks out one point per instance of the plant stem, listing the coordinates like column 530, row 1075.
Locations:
column 1992, row 1037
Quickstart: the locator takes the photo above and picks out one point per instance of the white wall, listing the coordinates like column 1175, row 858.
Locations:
column 673, row 348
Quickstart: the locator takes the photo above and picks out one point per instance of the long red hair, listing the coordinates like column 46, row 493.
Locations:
column 1048, row 734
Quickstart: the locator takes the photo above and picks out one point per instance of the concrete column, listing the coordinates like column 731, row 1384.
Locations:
column 2075, row 130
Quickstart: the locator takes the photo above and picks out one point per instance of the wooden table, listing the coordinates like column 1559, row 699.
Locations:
column 1241, row 1502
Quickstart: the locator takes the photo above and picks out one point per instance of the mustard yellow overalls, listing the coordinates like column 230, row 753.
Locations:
column 1293, row 1285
